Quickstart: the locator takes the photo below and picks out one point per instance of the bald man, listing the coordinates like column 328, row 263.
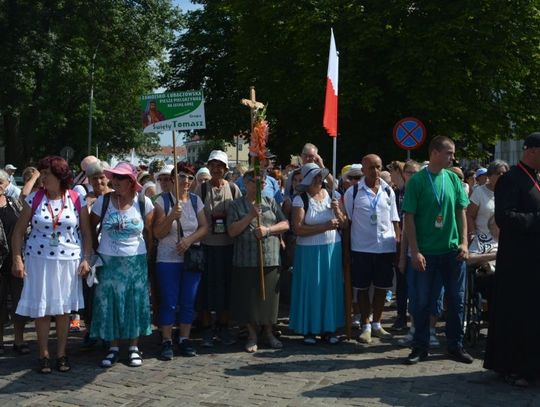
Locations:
column 371, row 207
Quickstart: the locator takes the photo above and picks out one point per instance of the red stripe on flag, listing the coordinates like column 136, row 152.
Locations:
column 330, row 109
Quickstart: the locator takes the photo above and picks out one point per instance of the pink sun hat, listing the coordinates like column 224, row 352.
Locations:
column 124, row 168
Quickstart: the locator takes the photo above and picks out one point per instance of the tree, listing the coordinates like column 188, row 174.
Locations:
column 46, row 71
column 467, row 69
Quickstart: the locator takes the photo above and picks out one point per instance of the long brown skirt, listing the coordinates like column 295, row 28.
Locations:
column 246, row 303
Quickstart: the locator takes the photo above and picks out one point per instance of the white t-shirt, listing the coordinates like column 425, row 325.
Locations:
column 40, row 242
column 485, row 199
column 121, row 233
column 368, row 237
column 166, row 252
column 318, row 212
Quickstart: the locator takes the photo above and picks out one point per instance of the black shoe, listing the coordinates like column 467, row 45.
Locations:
column 417, row 355
column 400, row 323
column 166, row 352
column 460, row 355
column 186, row 348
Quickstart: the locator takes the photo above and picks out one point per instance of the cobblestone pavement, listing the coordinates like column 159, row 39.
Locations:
column 347, row 374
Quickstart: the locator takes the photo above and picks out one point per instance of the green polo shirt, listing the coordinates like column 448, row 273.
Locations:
column 420, row 200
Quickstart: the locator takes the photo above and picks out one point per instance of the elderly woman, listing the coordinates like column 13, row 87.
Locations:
column 9, row 285
column 481, row 211
column 164, row 179
column 53, row 262
column 121, row 309
column 202, row 176
column 179, row 226
column 317, row 287
column 214, row 292
column 247, row 307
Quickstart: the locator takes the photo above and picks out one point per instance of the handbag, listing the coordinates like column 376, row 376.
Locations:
column 194, row 260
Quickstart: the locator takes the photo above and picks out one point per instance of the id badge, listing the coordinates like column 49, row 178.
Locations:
column 439, row 222
column 373, row 219
column 218, row 225
column 54, row 242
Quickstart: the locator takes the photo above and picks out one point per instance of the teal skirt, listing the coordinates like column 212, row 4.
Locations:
column 317, row 302
column 121, row 307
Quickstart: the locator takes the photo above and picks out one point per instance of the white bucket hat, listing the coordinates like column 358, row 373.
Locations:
column 309, row 172
column 166, row 170
column 221, row 156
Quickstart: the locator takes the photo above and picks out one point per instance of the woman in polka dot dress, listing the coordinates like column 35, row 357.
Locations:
column 56, row 255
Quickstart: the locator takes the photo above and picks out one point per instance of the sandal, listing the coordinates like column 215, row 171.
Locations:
column 62, row 364
column 251, row 345
column 22, row 349
column 44, row 366
column 274, row 342
column 110, row 359
column 135, row 358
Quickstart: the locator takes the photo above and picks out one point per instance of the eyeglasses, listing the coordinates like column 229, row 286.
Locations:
column 184, row 176
column 354, row 177
column 121, row 177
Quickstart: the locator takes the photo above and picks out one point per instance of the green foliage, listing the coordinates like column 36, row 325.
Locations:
column 208, row 146
column 46, row 72
column 467, row 69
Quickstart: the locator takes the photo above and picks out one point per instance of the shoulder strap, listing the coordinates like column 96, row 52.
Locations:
column 305, row 199
column 193, row 198
column 354, row 192
column 104, row 206
column 233, row 190
column 142, row 204
column 204, row 188
column 76, row 199
column 38, row 197
column 167, row 201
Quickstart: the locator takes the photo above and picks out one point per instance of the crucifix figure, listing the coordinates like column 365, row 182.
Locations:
column 253, row 105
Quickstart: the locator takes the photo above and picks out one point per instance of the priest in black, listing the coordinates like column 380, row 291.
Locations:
column 513, row 341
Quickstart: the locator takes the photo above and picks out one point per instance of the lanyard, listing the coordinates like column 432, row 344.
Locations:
column 440, row 198
column 530, row 176
column 373, row 202
column 56, row 219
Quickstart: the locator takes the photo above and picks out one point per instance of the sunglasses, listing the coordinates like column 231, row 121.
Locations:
column 120, row 177
column 186, row 176
column 355, row 178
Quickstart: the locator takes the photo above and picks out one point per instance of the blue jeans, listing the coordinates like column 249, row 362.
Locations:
column 452, row 272
column 437, row 291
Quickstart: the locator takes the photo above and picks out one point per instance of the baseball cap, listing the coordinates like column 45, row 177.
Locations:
column 10, row 167
column 480, row 171
column 532, row 140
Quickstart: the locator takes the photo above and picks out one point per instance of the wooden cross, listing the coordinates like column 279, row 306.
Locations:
column 253, row 105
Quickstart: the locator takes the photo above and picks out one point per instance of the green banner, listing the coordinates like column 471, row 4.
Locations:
column 173, row 111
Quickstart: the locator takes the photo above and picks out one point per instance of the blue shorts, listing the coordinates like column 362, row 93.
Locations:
column 372, row 268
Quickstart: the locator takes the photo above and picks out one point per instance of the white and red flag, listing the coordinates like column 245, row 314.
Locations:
column 331, row 102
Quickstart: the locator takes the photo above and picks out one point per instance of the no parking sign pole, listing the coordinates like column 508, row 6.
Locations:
column 409, row 134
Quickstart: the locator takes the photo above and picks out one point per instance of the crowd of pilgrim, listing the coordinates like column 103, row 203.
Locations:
column 130, row 247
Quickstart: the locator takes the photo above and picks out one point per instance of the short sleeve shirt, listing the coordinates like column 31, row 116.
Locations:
column 484, row 198
column 245, row 244
column 40, row 242
column 368, row 237
column 420, row 200
column 121, row 231
column 166, row 252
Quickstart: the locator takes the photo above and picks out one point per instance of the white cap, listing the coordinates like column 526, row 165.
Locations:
column 10, row 167
column 219, row 155
column 202, row 170
column 166, row 170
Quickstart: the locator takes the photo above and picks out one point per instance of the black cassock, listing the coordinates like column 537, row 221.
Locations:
column 513, row 343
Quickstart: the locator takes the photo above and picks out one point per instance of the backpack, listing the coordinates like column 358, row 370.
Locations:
column 167, row 203
column 105, row 206
column 73, row 195
column 355, row 192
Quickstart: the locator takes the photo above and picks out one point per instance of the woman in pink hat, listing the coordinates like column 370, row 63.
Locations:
column 121, row 308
